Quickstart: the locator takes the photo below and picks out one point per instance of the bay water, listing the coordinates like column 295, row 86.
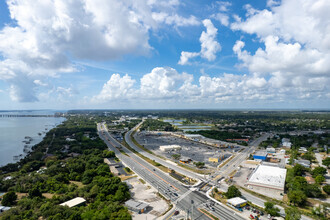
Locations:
column 17, row 133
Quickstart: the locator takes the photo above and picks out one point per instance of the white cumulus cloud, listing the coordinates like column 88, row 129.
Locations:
column 296, row 45
column 45, row 36
column 209, row 45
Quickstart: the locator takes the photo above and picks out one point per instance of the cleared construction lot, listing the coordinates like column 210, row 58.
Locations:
column 197, row 152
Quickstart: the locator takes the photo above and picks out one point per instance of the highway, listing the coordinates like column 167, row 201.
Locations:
column 160, row 160
column 182, row 196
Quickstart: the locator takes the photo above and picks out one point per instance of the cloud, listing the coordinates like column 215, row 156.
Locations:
column 223, row 18
column 44, row 38
column 116, row 88
column 296, row 45
column 162, row 83
column 166, row 85
column 223, row 5
column 185, row 56
column 209, row 45
column 176, row 20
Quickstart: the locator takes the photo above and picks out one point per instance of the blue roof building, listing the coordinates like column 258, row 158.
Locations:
column 260, row 155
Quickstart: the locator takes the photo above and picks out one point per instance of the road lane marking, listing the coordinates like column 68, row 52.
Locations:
column 202, row 211
column 147, row 168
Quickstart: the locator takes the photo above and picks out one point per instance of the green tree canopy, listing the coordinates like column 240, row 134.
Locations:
column 319, row 171
column 297, row 197
column 292, row 213
column 232, row 192
column 9, row 199
column 271, row 209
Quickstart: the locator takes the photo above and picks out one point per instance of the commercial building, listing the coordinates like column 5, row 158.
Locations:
column 268, row 179
column 236, row 202
column 270, row 150
column 216, row 159
column 136, row 206
column 166, row 148
column 74, row 202
column 260, row 155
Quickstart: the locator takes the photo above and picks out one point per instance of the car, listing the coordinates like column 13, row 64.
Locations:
column 251, row 216
column 175, row 194
column 176, row 212
column 154, row 169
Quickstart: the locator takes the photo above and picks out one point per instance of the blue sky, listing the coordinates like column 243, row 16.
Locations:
column 164, row 54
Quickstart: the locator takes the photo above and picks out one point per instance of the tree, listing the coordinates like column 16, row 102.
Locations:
column 9, row 199
column 176, row 156
column 199, row 164
column 271, row 209
column 314, row 191
column 232, row 192
column 297, row 197
column 326, row 162
column 35, row 192
column 299, row 170
column 299, row 183
column 319, row 171
column 292, row 213
column 326, row 189
column 319, row 179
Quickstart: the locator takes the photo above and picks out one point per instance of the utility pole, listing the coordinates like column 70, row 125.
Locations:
column 192, row 209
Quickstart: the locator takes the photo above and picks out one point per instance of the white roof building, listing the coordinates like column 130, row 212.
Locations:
column 268, row 177
column 236, row 201
column 74, row 202
column 136, row 206
column 169, row 147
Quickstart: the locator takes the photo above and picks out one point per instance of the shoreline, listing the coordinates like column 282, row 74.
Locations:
column 27, row 149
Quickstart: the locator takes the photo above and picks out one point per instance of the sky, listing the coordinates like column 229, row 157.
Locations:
column 164, row 54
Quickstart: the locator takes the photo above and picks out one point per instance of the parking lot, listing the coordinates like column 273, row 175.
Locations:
column 197, row 152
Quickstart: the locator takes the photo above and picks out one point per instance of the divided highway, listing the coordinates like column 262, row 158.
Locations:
column 182, row 196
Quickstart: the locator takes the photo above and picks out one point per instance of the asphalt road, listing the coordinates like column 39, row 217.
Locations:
column 159, row 160
column 166, row 185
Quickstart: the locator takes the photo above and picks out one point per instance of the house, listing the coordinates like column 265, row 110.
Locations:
column 4, row 208
column 286, row 143
column 305, row 163
column 78, row 201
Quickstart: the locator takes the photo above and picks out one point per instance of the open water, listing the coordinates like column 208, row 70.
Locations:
column 15, row 130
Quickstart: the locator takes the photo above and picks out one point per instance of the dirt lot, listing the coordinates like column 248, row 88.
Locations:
column 145, row 193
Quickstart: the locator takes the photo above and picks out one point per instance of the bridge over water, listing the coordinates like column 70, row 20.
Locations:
column 18, row 115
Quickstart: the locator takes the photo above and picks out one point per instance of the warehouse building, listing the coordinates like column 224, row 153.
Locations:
column 268, row 179
column 166, row 148
column 260, row 155
column 136, row 206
